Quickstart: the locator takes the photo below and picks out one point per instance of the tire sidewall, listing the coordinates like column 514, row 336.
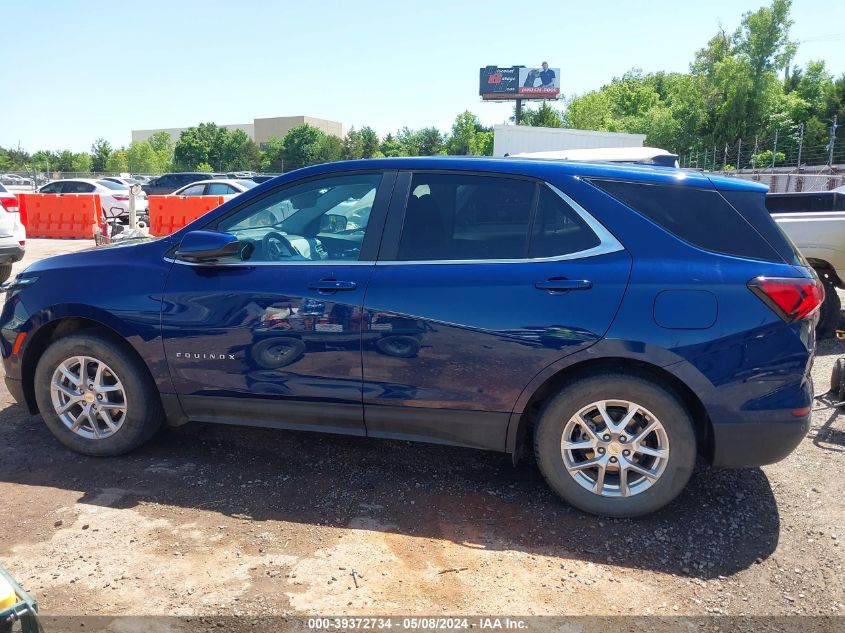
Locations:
column 142, row 416
column 663, row 404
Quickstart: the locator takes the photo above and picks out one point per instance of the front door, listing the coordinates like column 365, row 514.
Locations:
column 273, row 336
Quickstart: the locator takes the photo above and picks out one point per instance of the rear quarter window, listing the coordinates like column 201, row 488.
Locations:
column 702, row 217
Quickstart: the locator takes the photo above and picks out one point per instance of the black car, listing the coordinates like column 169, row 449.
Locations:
column 168, row 183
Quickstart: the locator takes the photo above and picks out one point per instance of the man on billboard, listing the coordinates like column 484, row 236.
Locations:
column 540, row 82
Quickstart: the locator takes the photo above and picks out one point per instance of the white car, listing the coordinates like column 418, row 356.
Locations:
column 226, row 187
column 12, row 233
column 113, row 197
column 15, row 180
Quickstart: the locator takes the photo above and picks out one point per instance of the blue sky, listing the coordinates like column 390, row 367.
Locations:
column 73, row 71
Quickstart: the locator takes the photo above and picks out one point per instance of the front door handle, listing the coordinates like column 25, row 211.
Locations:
column 562, row 284
column 333, row 285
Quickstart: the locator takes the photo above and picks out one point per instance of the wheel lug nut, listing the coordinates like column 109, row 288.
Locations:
column 99, row 396
column 626, row 452
column 623, row 439
column 612, row 460
column 601, row 450
column 606, row 437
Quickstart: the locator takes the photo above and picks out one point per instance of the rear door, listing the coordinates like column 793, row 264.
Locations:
column 482, row 282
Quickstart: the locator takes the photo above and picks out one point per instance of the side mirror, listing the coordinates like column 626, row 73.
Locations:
column 207, row 246
column 333, row 223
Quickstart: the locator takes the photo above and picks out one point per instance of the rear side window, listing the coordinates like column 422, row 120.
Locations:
column 466, row 217
column 699, row 216
column 558, row 229
column 752, row 205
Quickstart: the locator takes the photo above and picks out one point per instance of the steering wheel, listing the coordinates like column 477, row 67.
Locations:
column 277, row 247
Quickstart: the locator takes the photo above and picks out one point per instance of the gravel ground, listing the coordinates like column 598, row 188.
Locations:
column 233, row 521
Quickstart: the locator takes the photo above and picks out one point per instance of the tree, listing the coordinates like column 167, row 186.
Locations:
column 302, row 145
column 369, row 143
column 65, row 162
column 353, row 145
column 467, row 138
column 118, row 161
column 162, row 145
column 82, row 162
column 273, row 156
column 329, row 149
column 142, row 158
column 390, row 147
column 204, row 167
column 544, row 116
column 240, row 153
column 100, row 152
column 191, row 149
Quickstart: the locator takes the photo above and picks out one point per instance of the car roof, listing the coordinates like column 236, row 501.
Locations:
column 544, row 169
column 214, row 181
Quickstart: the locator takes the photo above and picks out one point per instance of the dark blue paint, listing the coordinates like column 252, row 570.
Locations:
column 470, row 338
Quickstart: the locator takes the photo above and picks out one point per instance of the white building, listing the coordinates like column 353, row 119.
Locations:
column 515, row 139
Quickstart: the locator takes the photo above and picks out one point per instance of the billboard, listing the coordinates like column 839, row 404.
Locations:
column 519, row 82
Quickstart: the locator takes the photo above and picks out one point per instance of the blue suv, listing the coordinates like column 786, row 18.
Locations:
column 622, row 320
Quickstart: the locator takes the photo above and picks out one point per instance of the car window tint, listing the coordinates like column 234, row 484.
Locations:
column 53, row 187
column 699, row 216
column 466, row 217
column 324, row 219
column 78, row 187
column 558, row 229
column 220, row 189
column 194, row 190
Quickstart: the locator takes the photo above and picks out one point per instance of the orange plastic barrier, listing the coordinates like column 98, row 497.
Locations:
column 22, row 206
column 62, row 216
column 171, row 213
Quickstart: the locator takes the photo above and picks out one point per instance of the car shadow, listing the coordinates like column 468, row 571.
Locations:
column 724, row 521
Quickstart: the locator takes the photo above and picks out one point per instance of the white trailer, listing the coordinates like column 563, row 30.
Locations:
column 517, row 139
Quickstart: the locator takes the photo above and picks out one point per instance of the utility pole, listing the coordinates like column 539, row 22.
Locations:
column 832, row 141
column 518, row 114
column 725, row 159
column 714, row 158
column 705, row 159
column 739, row 154
column 775, row 151
column 800, row 144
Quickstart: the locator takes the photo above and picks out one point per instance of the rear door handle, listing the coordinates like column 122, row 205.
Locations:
column 561, row 284
column 333, row 285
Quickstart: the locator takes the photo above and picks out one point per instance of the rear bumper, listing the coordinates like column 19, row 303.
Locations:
column 11, row 254
column 750, row 444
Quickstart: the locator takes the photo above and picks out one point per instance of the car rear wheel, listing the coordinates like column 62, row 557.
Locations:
column 96, row 397
column 831, row 308
column 5, row 272
column 615, row 445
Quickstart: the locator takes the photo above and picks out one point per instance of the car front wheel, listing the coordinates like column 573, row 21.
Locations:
column 95, row 396
column 615, row 445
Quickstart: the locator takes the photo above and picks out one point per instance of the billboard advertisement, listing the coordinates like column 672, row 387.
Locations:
column 519, row 82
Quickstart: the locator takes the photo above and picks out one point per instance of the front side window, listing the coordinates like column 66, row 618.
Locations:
column 324, row 219
column 466, row 217
column 53, row 187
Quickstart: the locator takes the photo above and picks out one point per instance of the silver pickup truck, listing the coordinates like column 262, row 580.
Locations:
column 815, row 222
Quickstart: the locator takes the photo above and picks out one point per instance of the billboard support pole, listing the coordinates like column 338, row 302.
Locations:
column 518, row 116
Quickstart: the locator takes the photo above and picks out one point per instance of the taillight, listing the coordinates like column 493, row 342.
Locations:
column 791, row 299
column 10, row 204
column 121, row 198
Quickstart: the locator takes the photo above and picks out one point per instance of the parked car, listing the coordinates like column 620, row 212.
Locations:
column 114, row 198
column 259, row 178
column 226, row 187
column 12, row 233
column 120, row 180
column 15, row 180
column 168, row 183
column 815, row 221
column 587, row 311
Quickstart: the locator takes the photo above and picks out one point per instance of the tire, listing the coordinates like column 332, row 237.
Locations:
column 137, row 422
column 277, row 352
column 672, row 470
column 5, row 273
column 399, row 345
column 830, row 310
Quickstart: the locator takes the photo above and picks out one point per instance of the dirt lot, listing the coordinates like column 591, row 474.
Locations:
column 230, row 520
